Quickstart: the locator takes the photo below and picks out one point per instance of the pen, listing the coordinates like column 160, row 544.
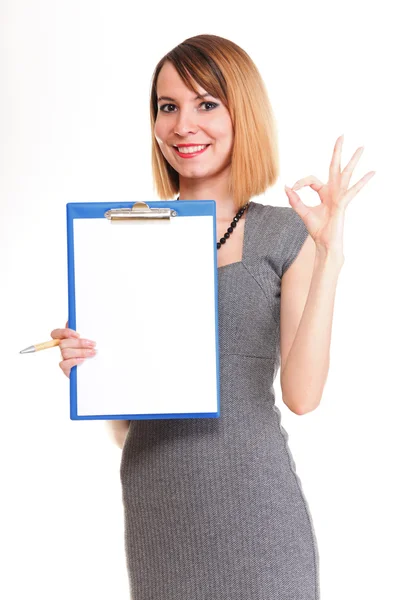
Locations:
column 41, row 346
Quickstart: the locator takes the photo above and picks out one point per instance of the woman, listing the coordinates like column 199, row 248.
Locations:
column 214, row 509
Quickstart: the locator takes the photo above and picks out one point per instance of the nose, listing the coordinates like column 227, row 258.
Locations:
column 185, row 122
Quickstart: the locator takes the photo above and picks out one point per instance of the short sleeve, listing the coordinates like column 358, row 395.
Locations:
column 295, row 234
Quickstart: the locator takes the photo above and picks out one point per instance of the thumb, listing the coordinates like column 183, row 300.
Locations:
column 296, row 202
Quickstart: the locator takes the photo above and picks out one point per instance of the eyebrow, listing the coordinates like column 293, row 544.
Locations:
column 198, row 97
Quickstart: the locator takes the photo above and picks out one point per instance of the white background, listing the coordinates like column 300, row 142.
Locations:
column 74, row 92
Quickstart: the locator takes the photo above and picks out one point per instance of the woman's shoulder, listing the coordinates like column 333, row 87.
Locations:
column 279, row 234
column 284, row 218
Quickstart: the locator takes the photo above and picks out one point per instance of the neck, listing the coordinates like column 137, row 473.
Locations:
column 210, row 188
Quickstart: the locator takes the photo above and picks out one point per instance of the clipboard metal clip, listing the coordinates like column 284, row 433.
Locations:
column 140, row 210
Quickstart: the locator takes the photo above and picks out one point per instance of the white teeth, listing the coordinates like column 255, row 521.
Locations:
column 191, row 149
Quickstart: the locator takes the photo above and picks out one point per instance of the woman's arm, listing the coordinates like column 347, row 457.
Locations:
column 118, row 431
column 306, row 366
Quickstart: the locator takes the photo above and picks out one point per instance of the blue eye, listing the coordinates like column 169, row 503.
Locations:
column 214, row 105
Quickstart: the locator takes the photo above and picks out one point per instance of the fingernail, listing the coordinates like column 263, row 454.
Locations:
column 288, row 188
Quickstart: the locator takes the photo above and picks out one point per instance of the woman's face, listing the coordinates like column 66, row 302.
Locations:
column 183, row 119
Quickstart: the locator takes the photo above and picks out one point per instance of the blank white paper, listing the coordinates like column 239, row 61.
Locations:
column 145, row 292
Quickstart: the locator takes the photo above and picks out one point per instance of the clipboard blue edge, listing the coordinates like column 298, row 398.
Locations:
column 90, row 210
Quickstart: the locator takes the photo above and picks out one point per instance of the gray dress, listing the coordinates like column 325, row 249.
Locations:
column 213, row 507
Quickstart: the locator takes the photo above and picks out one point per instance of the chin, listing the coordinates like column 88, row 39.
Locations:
column 197, row 175
column 197, row 171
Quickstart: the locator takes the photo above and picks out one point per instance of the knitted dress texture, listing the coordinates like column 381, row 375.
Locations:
column 213, row 507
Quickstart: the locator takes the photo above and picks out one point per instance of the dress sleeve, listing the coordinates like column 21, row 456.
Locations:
column 295, row 234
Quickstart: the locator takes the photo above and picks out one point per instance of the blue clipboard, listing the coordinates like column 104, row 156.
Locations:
column 143, row 283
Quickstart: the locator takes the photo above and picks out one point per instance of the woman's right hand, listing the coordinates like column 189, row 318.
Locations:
column 73, row 349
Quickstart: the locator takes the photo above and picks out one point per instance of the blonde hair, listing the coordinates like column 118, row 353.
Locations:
column 226, row 72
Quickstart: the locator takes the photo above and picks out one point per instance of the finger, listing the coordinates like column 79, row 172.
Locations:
column 297, row 204
column 334, row 168
column 348, row 171
column 307, row 181
column 351, row 192
column 73, row 342
column 66, row 365
column 68, row 353
column 63, row 333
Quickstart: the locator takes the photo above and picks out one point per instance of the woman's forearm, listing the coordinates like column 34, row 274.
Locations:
column 307, row 365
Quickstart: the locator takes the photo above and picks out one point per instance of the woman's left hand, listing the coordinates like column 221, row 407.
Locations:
column 325, row 221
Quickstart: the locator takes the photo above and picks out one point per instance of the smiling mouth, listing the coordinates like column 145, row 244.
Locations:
column 188, row 151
